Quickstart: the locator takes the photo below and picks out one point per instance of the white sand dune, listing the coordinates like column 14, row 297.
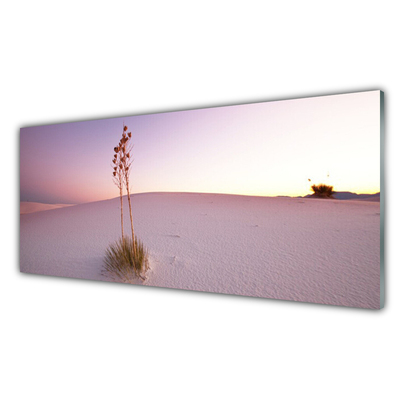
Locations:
column 309, row 250
column 27, row 207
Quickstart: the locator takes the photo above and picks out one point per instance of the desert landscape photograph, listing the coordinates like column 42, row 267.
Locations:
column 277, row 200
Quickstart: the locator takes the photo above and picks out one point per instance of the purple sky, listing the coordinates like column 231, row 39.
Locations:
column 257, row 149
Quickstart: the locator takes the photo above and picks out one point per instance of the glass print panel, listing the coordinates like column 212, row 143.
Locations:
column 279, row 200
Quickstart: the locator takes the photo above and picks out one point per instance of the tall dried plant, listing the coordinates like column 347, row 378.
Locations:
column 127, row 258
column 125, row 151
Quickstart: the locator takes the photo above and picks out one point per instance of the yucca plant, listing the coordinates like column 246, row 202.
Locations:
column 127, row 258
column 122, row 262
column 125, row 147
column 322, row 191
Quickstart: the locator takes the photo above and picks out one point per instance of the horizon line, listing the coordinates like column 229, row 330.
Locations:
column 186, row 192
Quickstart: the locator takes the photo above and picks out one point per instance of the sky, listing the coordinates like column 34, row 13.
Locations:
column 262, row 149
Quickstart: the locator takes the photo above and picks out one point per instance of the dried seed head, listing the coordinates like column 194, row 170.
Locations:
column 116, row 149
column 125, row 128
column 114, row 173
column 129, row 134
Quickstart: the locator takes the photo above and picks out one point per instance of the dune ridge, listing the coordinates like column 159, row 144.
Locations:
column 27, row 207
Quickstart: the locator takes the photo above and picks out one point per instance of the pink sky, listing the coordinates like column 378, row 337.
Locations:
column 264, row 149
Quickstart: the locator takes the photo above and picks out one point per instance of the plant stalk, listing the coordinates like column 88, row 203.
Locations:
column 122, row 212
column 130, row 214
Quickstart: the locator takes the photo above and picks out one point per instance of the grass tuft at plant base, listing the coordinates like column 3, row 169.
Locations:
column 121, row 261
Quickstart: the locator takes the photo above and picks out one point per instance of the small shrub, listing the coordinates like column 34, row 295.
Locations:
column 322, row 191
column 124, row 263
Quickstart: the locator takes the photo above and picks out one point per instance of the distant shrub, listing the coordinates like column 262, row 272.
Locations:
column 125, row 261
column 322, row 191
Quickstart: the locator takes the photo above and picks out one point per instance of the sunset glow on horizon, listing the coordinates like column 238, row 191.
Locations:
column 261, row 149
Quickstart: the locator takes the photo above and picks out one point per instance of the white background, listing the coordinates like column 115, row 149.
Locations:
column 71, row 339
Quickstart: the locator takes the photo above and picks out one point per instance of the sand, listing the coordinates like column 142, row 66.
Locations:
column 308, row 250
